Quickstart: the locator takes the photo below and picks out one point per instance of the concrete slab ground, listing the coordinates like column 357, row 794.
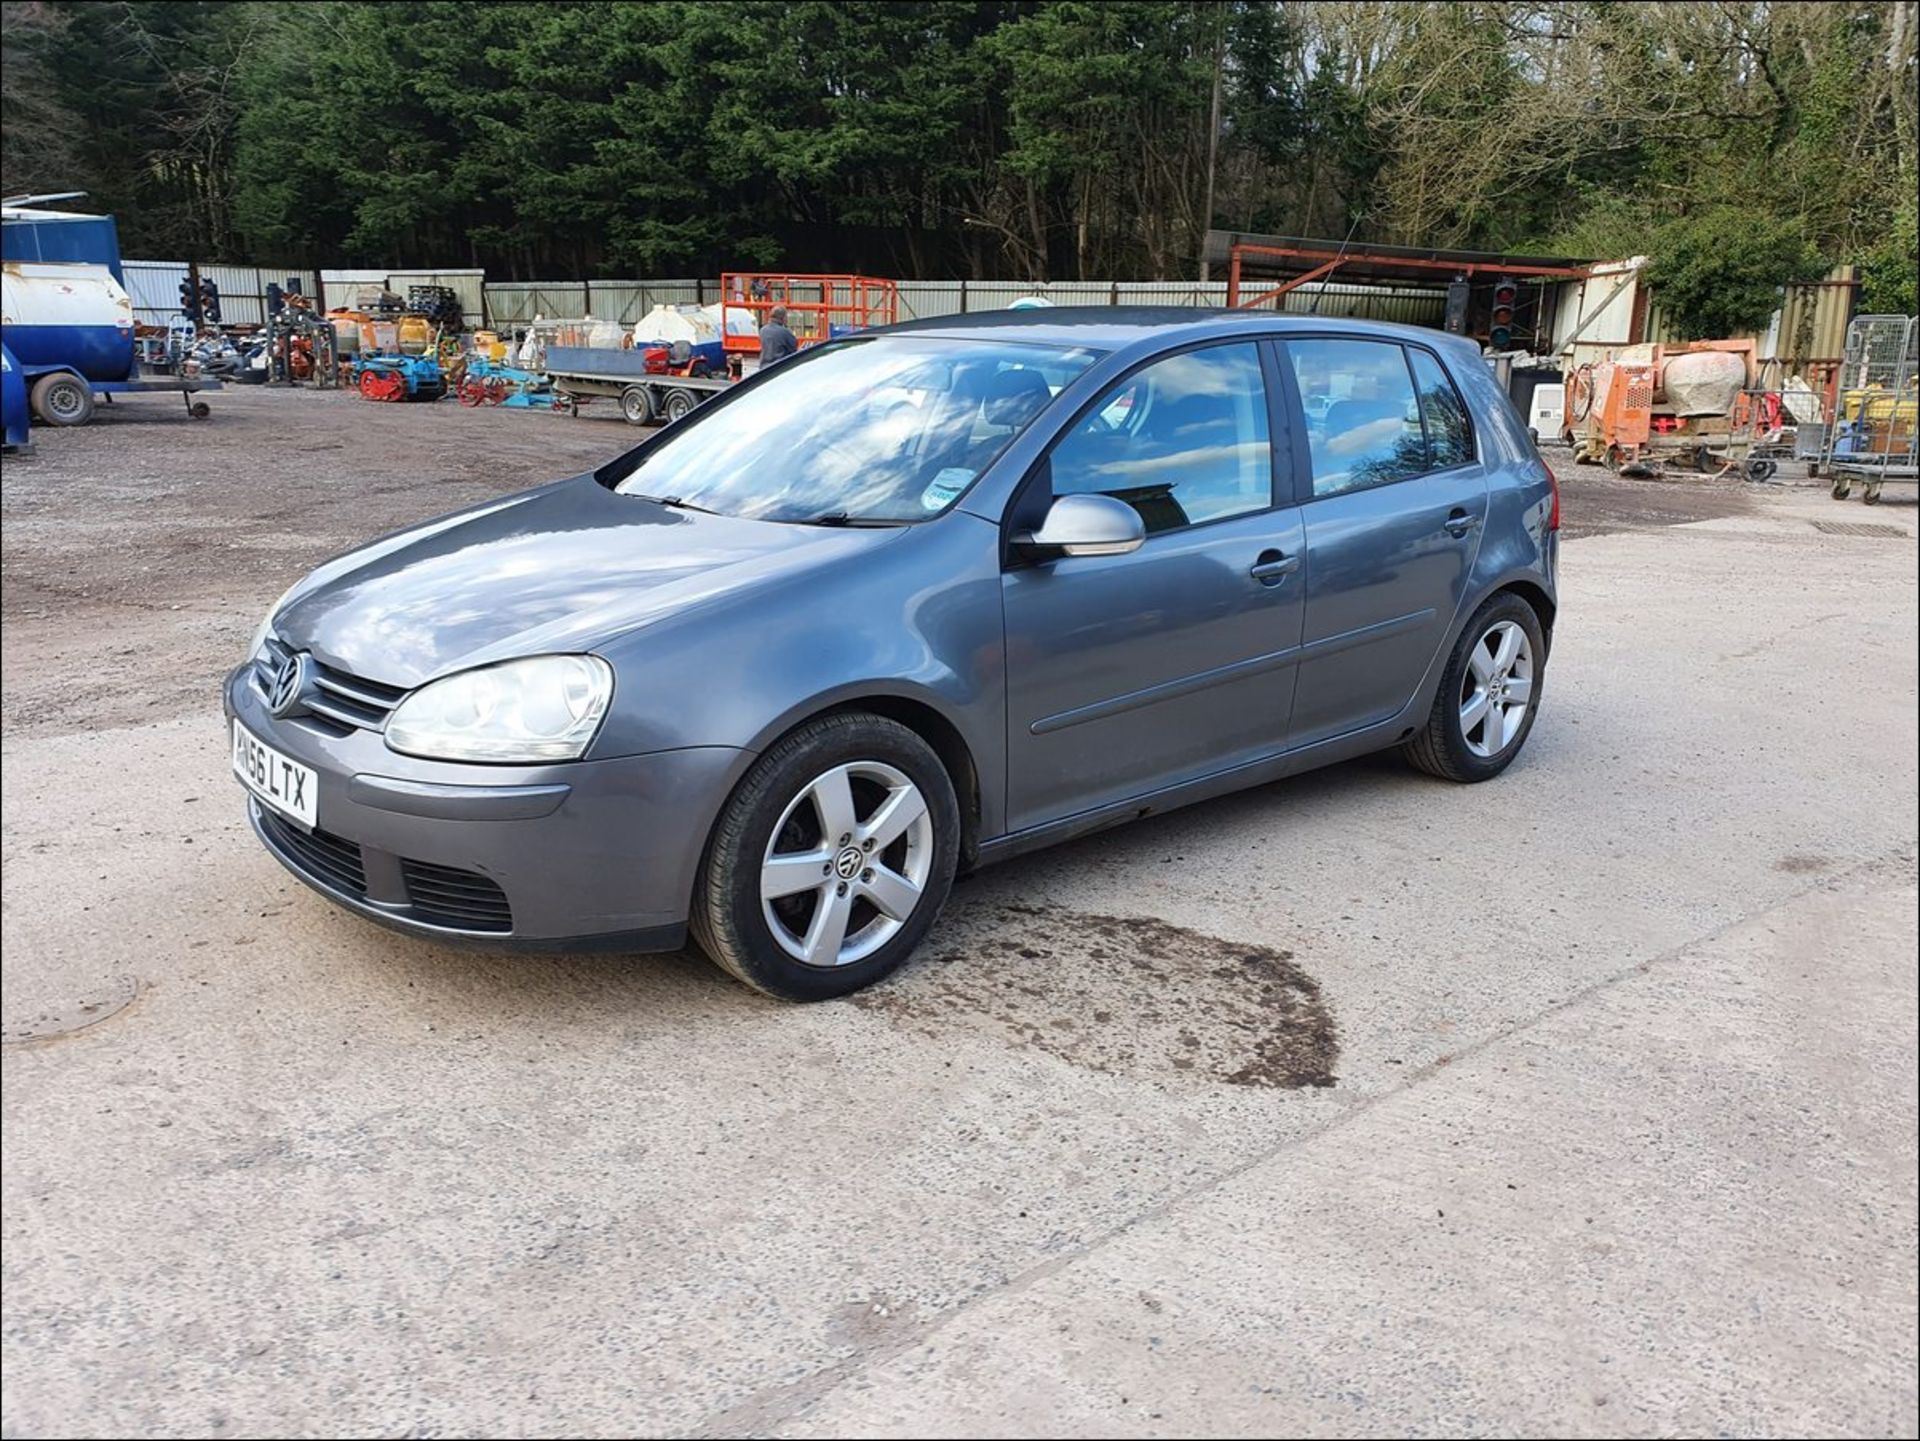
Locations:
column 1155, row 1138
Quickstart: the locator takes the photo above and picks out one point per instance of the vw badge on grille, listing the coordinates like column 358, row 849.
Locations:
column 289, row 684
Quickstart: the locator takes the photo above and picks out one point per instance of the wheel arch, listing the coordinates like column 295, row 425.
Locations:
column 925, row 719
column 1535, row 595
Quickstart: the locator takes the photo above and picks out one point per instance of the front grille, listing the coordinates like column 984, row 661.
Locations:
column 464, row 900
column 347, row 702
column 328, row 858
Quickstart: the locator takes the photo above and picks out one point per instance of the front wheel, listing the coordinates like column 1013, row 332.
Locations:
column 1488, row 695
column 636, row 405
column 62, row 399
column 830, row 861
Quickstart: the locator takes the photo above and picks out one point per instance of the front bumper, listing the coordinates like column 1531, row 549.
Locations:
column 595, row 853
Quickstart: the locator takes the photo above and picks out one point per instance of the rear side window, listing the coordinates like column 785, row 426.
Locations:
column 1363, row 421
column 1449, row 435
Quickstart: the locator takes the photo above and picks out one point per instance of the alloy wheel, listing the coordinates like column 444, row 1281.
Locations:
column 847, row 864
column 1496, row 689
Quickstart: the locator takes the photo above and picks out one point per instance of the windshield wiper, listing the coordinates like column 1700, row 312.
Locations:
column 673, row 501
column 851, row 522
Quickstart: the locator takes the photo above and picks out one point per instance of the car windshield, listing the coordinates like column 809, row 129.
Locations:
column 882, row 430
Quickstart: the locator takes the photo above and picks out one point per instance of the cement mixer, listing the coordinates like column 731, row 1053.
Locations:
column 1655, row 407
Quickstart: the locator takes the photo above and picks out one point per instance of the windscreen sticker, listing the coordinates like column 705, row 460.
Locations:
column 944, row 487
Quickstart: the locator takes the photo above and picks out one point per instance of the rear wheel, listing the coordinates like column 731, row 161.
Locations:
column 830, row 861
column 678, row 405
column 1488, row 695
column 62, row 399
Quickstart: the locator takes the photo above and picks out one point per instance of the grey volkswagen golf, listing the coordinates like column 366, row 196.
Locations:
column 915, row 601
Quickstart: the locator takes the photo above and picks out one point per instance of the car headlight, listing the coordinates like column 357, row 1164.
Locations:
column 544, row 708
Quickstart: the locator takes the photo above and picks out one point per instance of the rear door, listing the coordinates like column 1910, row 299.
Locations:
column 1126, row 673
column 1394, row 509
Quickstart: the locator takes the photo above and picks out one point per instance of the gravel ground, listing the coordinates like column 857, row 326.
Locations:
column 1578, row 1103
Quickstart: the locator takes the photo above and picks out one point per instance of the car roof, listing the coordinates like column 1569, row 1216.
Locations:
column 1151, row 327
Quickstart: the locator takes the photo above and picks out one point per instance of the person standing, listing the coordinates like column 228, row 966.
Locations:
column 776, row 341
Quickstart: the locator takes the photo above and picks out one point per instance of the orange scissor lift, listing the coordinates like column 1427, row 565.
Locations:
column 819, row 307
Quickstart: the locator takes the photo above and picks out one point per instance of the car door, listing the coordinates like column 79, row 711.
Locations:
column 1394, row 509
column 1126, row 673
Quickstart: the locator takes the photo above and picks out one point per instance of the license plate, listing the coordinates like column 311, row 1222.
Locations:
column 287, row 786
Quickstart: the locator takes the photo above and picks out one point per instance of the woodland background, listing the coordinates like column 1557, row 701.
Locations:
column 975, row 138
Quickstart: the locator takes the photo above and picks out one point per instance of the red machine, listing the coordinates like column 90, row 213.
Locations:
column 818, row 306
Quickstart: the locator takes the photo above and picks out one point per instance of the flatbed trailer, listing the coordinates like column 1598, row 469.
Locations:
column 582, row 373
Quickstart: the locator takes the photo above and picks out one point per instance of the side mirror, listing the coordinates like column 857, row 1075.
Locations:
column 1087, row 525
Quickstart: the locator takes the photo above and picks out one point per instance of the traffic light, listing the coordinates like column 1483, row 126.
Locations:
column 1506, row 295
column 189, row 301
column 209, row 301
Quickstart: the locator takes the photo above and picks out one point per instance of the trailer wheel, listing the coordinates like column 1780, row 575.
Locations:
column 679, row 404
column 1842, row 488
column 62, row 399
column 636, row 404
column 1761, row 469
column 199, row 410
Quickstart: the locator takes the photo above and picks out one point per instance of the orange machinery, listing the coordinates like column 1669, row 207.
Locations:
column 818, row 306
column 1619, row 410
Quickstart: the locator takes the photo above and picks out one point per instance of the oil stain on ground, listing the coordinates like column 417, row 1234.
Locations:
column 1122, row 994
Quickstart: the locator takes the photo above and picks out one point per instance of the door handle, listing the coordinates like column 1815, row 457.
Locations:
column 1459, row 524
column 1272, row 567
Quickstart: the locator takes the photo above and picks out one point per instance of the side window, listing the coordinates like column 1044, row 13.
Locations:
column 1182, row 441
column 1449, row 436
column 1363, row 424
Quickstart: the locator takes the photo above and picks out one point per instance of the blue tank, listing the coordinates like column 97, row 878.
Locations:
column 67, row 317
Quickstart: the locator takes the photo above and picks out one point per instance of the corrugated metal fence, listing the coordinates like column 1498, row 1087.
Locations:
column 1810, row 326
column 1811, row 323
column 625, row 301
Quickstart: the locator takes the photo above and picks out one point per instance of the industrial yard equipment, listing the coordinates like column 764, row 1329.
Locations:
column 1652, row 407
column 69, row 326
column 583, row 372
column 489, row 382
column 400, row 377
column 1873, row 434
column 818, row 307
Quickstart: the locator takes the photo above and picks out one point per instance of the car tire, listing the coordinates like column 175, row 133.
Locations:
column 62, row 399
column 810, row 801
column 1477, row 692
